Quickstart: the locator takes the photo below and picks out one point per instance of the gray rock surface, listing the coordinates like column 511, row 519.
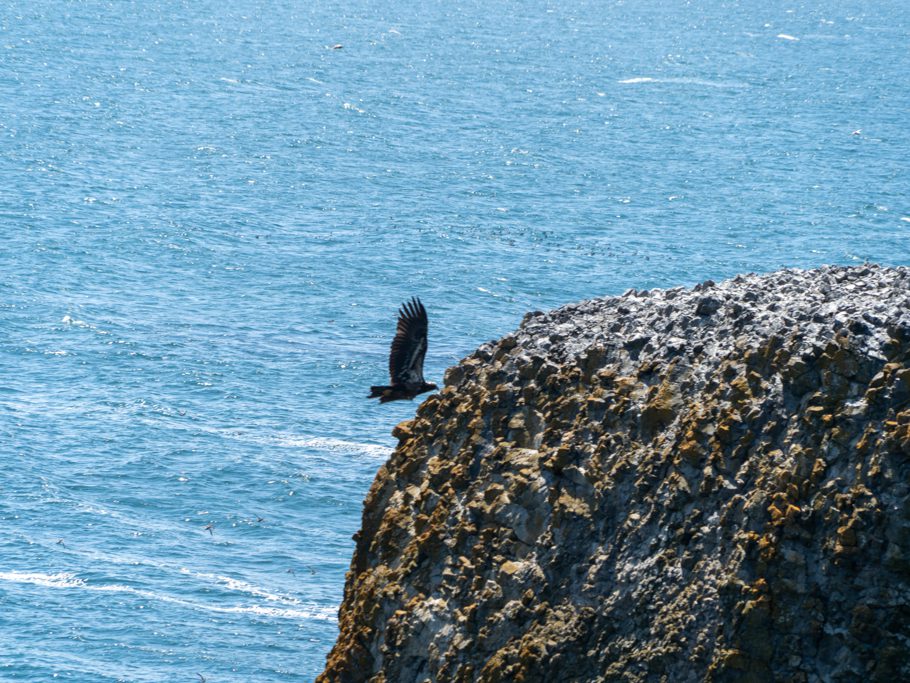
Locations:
column 681, row 485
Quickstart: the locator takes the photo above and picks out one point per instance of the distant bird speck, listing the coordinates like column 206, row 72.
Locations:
column 337, row 46
column 209, row 527
column 858, row 131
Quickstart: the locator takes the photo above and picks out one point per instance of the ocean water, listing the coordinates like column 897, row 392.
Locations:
column 209, row 218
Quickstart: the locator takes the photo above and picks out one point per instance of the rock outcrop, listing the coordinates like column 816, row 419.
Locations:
column 708, row 484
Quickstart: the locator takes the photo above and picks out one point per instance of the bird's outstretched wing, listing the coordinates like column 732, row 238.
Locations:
column 409, row 345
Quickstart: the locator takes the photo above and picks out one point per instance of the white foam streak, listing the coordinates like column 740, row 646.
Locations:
column 684, row 81
column 62, row 580
column 322, row 443
column 67, row 580
column 240, row 586
column 325, row 443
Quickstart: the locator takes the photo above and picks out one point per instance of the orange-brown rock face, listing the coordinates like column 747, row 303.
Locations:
column 683, row 485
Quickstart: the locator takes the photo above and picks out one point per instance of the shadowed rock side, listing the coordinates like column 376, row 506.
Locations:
column 682, row 485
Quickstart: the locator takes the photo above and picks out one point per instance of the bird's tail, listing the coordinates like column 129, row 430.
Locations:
column 376, row 392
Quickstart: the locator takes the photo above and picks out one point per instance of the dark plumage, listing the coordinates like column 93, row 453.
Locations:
column 406, row 357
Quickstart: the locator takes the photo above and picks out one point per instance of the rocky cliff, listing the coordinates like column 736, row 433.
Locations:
column 681, row 485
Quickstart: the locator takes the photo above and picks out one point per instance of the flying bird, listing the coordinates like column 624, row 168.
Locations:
column 406, row 356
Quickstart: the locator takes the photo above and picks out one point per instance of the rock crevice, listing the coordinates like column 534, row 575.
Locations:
column 677, row 485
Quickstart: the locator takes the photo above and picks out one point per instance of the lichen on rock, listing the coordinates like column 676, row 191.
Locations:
column 707, row 484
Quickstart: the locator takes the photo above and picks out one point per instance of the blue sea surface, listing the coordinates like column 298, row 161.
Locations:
column 210, row 216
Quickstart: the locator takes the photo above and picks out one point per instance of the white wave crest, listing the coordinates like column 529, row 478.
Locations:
column 75, row 322
column 69, row 320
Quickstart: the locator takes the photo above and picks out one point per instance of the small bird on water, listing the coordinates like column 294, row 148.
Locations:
column 406, row 356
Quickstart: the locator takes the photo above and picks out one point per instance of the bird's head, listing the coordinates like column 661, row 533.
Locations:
column 429, row 386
